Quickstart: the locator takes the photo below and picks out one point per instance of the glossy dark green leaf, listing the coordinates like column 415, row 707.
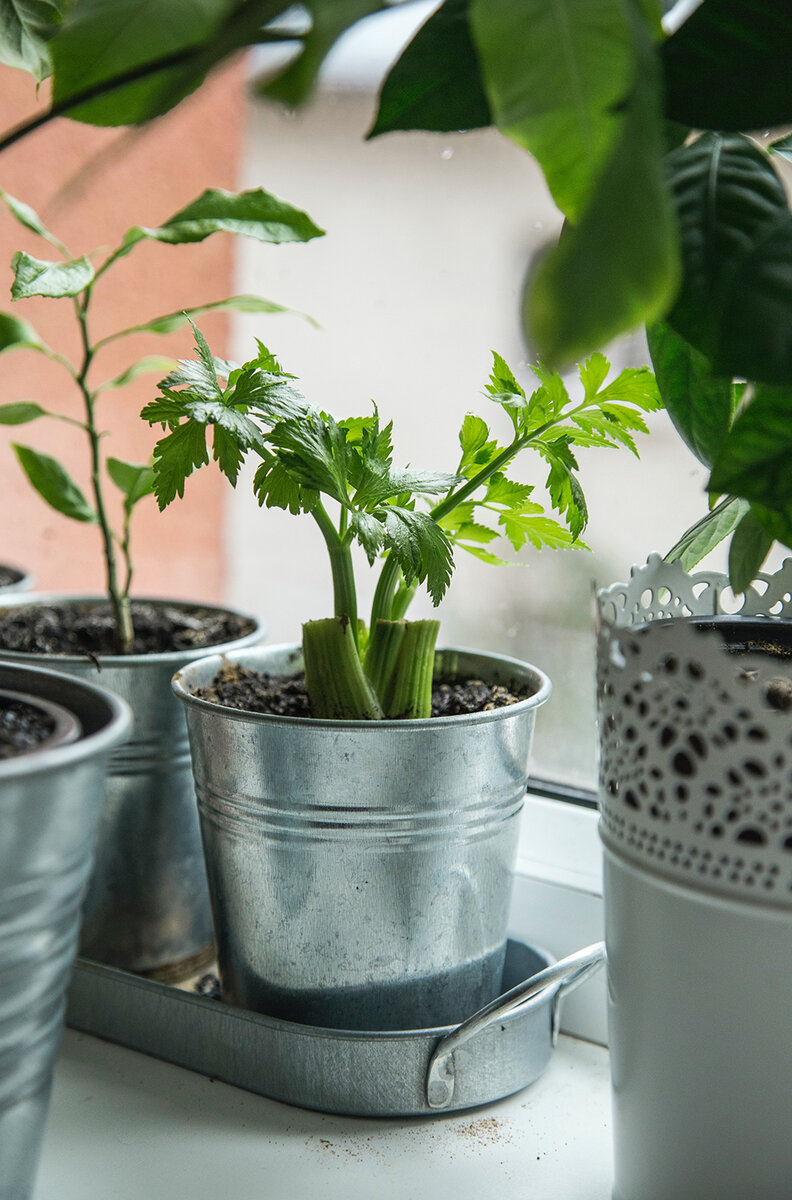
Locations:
column 330, row 18
column 554, row 75
column 698, row 402
column 37, row 277
column 749, row 548
column 728, row 66
column 436, row 84
column 24, row 26
column 54, row 484
column 754, row 460
column 735, row 303
column 21, row 413
column 619, row 266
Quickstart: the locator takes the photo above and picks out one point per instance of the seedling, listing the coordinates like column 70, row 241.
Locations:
column 410, row 520
column 254, row 214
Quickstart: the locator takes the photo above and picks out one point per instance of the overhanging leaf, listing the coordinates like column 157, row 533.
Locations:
column 735, row 303
column 698, row 402
column 436, row 83
column 24, row 25
column 37, row 277
column 554, row 74
column 749, row 548
column 728, row 66
column 619, row 267
column 754, row 460
column 707, row 533
column 54, row 484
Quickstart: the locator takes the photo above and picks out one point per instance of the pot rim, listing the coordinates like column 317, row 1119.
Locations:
column 68, row 727
column 173, row 658
column 544, row 688
column 23, row 580
column 115, row 728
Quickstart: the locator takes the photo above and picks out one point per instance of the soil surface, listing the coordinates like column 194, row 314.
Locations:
column 87, row 628
column 22, row 727
column 285, row 696
column 8, row 576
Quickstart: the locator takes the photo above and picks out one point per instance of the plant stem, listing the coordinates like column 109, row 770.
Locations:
column 119, row 600
column 344, row 593
column 334, row 679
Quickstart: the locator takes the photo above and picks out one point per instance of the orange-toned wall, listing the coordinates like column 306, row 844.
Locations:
column 90, row 185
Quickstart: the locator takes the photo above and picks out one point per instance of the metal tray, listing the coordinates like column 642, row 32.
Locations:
column 496, row 1052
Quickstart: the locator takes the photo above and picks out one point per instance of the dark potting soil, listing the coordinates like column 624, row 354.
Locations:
column 22, row 727
column 284, row 695
column 87, row 628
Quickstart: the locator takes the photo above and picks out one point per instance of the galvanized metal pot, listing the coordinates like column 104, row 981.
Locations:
column 21, row 582
column 361, row 872
column 696, row 821
column 50, row 802
column 147, row 907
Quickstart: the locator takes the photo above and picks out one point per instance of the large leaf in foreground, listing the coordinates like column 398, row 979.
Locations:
column 735, row 303
column 698, row 402
column 754, row 460
column 553, row 74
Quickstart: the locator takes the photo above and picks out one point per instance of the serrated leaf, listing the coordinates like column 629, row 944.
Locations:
column 707, row 533
column 485, row 556
column 24, row 29
column 37, row 277
column 144, row 366
column 538, row 529
column 636, row 385
column 18, row 335
column 473, row 531
column 593, row 373
column 176, row 456
column 503, row 386
column 54, row 484
column 501, row 490
column 748, row 549
column 313, row 451
column 565, row 491
column 21, row 412
column 436, row 83
column 421, row 548
column 472, row 436
column 134, row 480
column 368, row 531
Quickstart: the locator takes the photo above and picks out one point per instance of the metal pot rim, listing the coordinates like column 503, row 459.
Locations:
column 173, row 658
column 51, row 683
column 544, row 688
column 24, row 580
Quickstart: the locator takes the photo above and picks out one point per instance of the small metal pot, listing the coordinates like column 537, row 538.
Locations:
column 361, row 872
column 65, row 729
column 50, row 802
column 147, row 908
column 20, row 581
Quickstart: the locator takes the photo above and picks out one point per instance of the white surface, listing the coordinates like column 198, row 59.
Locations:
column 126, row 1127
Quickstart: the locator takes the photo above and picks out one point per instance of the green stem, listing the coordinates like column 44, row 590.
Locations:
column 119, row 600
column 385, row 643
column 334, row 679
column 406, row 692
column 344, row 593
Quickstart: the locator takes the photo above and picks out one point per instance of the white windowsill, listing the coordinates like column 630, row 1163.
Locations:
column 124, row 1126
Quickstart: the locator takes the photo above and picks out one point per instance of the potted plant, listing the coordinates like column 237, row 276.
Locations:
column 147, row 908
column 56, row 736
column 359, row 848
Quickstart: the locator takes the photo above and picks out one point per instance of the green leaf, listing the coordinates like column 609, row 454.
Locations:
column 18, row 335
column 135, row 480
column 735, row 303
column 420, row 547
column 554, row 75
column 749, row 548
column 275, row 487
column 754, row 459
column 170, row 322
column 24, row 27
column 313, row 450
column 698, row 402
column 148, row 365
column 436, row 83
column 296, row 82
column 176, row 456
column 36, row 277
column 565, row 491
column 102, row 40
column 54, row 484
column 782, row 146
column 485, row 556
column 21, row 413
column 619, row 266
column 27, row 216
column 727, row 66
column 255, row 214
column 707, row 533
column 538, row 529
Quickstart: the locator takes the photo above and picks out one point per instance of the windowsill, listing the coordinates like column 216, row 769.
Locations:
column 123, row 1125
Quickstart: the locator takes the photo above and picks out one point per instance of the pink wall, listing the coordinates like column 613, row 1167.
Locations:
column 90, row 185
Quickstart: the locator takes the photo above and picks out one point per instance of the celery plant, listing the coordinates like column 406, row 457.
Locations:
column 308, row 461
column 255, row 214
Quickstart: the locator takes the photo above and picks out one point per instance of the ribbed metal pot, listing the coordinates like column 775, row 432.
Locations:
column 360, row 872
column 22, row 582
column 49, row 807
column 147, row 907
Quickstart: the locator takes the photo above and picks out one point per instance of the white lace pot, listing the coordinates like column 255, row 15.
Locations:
column 696, row 821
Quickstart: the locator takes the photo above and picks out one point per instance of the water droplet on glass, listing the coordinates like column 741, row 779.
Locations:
column 447, row 153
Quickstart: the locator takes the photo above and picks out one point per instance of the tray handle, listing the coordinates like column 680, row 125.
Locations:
column 563, row 977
